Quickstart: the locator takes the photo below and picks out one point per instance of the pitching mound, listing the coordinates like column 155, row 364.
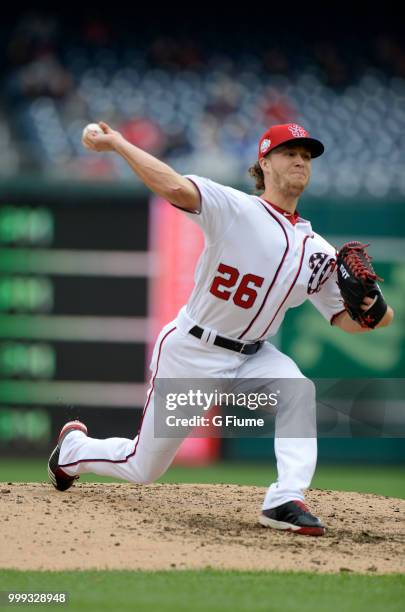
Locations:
column 163, row 526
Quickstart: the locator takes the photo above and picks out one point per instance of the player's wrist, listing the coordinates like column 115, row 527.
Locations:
column 374, row 315
column 117, row 142
column 387, row 318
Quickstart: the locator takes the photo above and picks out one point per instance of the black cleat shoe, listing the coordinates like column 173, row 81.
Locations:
column 292, row 516
column 57, row 476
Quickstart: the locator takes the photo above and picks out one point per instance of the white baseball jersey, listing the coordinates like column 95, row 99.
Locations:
column 258, row 262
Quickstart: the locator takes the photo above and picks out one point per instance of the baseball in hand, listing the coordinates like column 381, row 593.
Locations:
column 92, row 127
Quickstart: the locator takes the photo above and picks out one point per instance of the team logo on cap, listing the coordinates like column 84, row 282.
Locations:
column 297, row 131
column 265, row 145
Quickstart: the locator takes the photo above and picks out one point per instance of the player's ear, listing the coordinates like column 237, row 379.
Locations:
column 263, row 162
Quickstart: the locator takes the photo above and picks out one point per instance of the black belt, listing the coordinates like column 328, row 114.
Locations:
column 232, row 345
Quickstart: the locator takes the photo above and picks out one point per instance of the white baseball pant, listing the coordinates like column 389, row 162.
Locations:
column 177, row 354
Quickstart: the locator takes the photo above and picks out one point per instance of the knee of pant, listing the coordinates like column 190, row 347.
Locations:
column 145, row 480
column 310, row 391
column 147, row 477
column 309, row 398
column 299, row 392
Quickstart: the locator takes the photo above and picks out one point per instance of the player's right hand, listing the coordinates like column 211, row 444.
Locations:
column 101, row 142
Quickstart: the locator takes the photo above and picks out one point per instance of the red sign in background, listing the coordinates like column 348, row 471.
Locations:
column 176, row 244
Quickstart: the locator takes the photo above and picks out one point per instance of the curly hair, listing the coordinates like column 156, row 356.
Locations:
column 256, row 172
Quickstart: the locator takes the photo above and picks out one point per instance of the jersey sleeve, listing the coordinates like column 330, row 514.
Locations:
column 220, row 205
column 328, row 300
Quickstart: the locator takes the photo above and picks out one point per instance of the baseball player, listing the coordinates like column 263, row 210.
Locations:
column 260, row 259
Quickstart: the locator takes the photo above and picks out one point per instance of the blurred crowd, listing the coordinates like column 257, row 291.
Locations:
column 199, row 106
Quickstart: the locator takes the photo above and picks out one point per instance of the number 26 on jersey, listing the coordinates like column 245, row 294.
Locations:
column 224, row 284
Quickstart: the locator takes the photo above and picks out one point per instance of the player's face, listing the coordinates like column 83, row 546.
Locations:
column 288, row 169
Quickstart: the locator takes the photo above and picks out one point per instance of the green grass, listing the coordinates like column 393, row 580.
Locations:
column 222, row 591
column 214, row 591
column 382, row 480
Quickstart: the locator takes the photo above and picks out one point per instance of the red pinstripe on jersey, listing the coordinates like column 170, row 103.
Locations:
column 291, row 287
column 276, row 274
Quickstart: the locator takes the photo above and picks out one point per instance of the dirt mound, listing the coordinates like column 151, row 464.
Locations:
column 163, row 526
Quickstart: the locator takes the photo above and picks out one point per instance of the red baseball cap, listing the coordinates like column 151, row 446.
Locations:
column 287, row 132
